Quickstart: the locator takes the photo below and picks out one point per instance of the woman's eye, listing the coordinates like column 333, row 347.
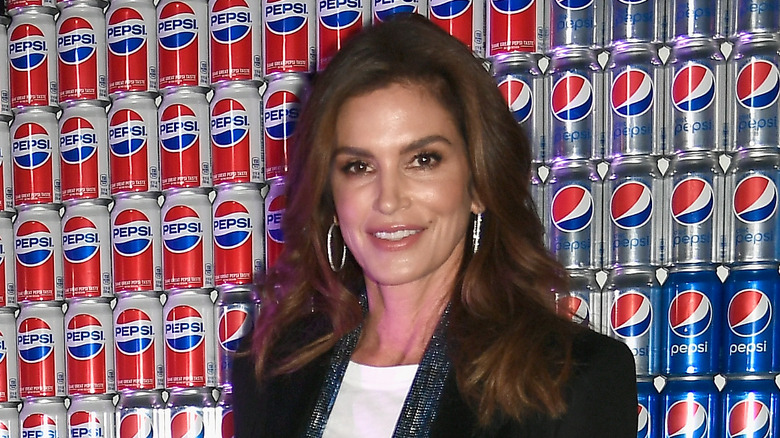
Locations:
column 426, row 159
column 355, row 167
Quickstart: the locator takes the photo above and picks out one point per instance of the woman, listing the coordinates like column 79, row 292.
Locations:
column 413, row 297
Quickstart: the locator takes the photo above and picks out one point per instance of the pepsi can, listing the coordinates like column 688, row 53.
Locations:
column 536, row 188
column 275, row 204
column 190, row 350
column 91, row 416
column 574, row 84
column 225, row 413
column 698, row 19
column 35, row 153
column 633, row 297
column 384, row 9
column 86, row 250
column 131, row 36
column 694, row 216
column 7, row 263
column 187, row 240
column 463, row 20
column 236, row 29
column 576, row 23
column 43, row 417
column 239, row 257
column 81, row 50
column 648, row 409
column 288, row 39
column 83, row 130
column 185, row 151
column 750, row 407
column 6, row 168
column 183, row 43
column 33, row 65
column 236, row 134
column 640, row 21
column 136, row 240
column 41, row 346
column 751, row 331
column 141, row 413
column 753, row 17
column 38, row 246
column 89, row 341
column 138, row 342
column 516, row 27
column 691, row 408
column 193, row 413
column 132, row 140
column 5, row 86
column 9, row 419
column 9, row 368
column 581, row 304
column 15, row 7
column 574, row 199
column 281, row 109
column 234, row 312
column 338, row 21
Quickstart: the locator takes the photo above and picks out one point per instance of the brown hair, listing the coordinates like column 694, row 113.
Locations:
column 511, row 352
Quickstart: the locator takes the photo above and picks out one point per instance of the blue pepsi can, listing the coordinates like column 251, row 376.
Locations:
column 751, row 333
column 698, row 19
column 576, row 23
column 583, row 297
column 648, row 409
column 751, row 406
column 633, row 297
column 754, row 16
column 640, row 21
column 692, row 297
column 691, row 407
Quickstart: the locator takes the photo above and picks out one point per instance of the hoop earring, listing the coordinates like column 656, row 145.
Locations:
column 476, row 232
column 330, row 251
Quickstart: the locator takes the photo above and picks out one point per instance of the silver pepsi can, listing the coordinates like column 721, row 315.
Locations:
column 576, row 23
column 537, row 193
column 582, row 298
column 9, row 419
column 698, row 19
column 753, row 16
column 43, row 417
column 225, row 414
column 91, row 416
column 141, row 413
column 642, row 21
column 234, row 312
column 192, row 412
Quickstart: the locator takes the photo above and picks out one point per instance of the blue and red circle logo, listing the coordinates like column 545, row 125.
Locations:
column 39, row 425
column 749, row 419
column 631, row 205
column 386, row 9
column 273, row 222
column 449, row 9
column 572, row 98
column 511, row 6
column 755, row 199
column 643, row 428
column 80, row 239
column 28, row 48
column 182, row 230
column 231, row 21
column 78, row 140
column 35, row 340
column 758, row 84
column 687, row 419
column 519, row 97
column 342, row 16
column 281, row 114
column 127, row 134
column 76, row 41
column 229, row 123
column 85, row 337
column 572, row 209
column 233, row 325
column 574, row 4
column 184, row 329
column 693, row 201
column 232, row 225
column 133, row 332
column 284, row 17
column 85, row 424
column 132, row 233
column 34, row 244
column 574, row 308
column 631, row 315
column 749, row 313
column 126, row 32
column 177, row 26
column 632, row 93
column 187, row 423
column 31, row 146
column 693, row 88
column 136, row 425
column 690, row 314
column 179, row 129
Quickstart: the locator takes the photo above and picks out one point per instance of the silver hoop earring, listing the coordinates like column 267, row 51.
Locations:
column 330, row 251
column 476, row 232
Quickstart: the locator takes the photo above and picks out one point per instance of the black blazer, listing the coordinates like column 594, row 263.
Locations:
column 601, row 400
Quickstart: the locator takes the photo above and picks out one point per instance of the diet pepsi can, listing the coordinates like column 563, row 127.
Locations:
column 138, row 341
column 275, row 204
column 750, row 406
column 238, row 234
column 5, row 86
column 574, row 199
column 642, row 21
column 691, row 407
column 132, row 139
column 694, row 216
column 136, row 240
column 86, row 250
column 9, row 368
column 225, row 413
column 576, row 23
column 7, row 263
column 91, row 416
column 516, row 27
column 41, row 344
column 338, row 21
column 6, row 168
column 633, row 297
column 581, row 304
column 185, row 151
column 141, row 413
column 751, row 331
column 31, row 53
column 236, row 134
column 81, row 50
column 281, row 109
column 463, row 20
column 35, row 153
column 289, row 37
column 183, row 43
column 384, row 9
column 38, row 246
column 698, row 19
column 752, row 17
column 9, row 419
column 187, row 238
column 234, row 312
column 89, row 342
column 190, row 350
column 193, row 412
column 648, row 409
column 236, row 31
column 131, row 35
column 83, row 130
column 43, row 417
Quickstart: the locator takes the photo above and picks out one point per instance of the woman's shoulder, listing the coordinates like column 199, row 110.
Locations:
column 590, row 347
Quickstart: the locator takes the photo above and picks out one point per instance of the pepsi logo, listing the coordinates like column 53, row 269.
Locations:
column 228, row 427
column 78, row 140
column 749, row 313
column 574, row 4
column 84, row 337
column 749, row 419
column 136, row 425
column 127, row 133
column 233, row 324
column 34, row 244
column 281, row 114
column 511, row 6
column 229, row 123
column 76, row 41
column 572, row 209
column 133, row 332
column 3, row 355
column 690, row 314
column 80, row 239
column 5, row 432
column 631, row 205
column 39, row 426
column 177, row 26
column 27, row 48
column 179, row 129
column 126, row 32
column 31, row 146
column 340, row 14
column 519, row 97
column 273, row 219
column 573, row 307
column 284, row 17
column 572, row 98
column 231, row 21
column 35, row 340
column 83, row 424
column 449, row 9
column 686, row 419
column 187, row 423
column 631, row 315
column 232, row 225
column 693, row 201
column 643, row 428
column 632, row 93
column 182, row 230
column 755, row 199
column 758, row 84
column 132, row 233
column 184, row 329
column 387, row 8
column 693, row 88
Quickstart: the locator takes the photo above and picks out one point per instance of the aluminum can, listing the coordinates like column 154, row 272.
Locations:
column 5, row 85
column 748, row 406
column 16, row 7
column 131, row 34
column 81, row 50
column 695, row 119
column 635, row 114
column 691, row 407
column 694, row 216
column 187, row 237
column 577, row 304
column 91, row 416
column 138, row 341
column 132, row 139
column 9, row 368
column 141, row 414
column 752, row 101
column 384, row 9
column 648, row 408
column 89, row 341
column 752, row 17
column 41, row 344
column 463, row 20
column 193, row 413
column 137, row 243
column 576, row 23
column 275, row 205
column 634, row 227
column 575, row 86
column 9, row 419
column 574, row 199
column 37, row 246
column 692, row 296
column 225, row 413
column 83, row 130
column 289, row 37
column 642, row 21
column 7, row 263
column 35, row 150
column 185, row 151
column 633, row 297
column 183, row 43
column 281, row 109
column 698, row 19
column 337, row 21
column 236, row 34
column 33, row 64
column 239, row 257
column 751, row 330
column 521, row 83
column 44, row 417
column 752, row 221
column 86, row 250
column 514, row 27
column 537, row 194
column 6, row 168
column 236, row 134
column 190, row 347
column 234, row 312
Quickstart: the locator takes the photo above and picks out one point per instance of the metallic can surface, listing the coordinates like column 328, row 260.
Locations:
column 748, row 407
column 236, row 34
column 193, row 412
column 31, row 54
column 89, row 342
column 183, row 43
column 83, row 130
column 648, row 408
column 35, row 152
column 44, row 417
column 225, row 413
column 537, row 195
column 41, row 347
column 141, row 413
column 642, row 21
column 81, row 50
column 91, row 416
column 337, row 21
column 9, row 419
column 577, row 304
column 7, row 263
column 137, row 243
column 463, row 20
column 236, row 134
column 289, row 36
column 138, row 341
column 187, row 237
column 131, row 37
column 697, row 19
column 6, row 171
column 576, row 23
column 5, row 85
column 691, row 407
column 275, row 204
column 281, row 109
column 190, row 347
column 751, row 17
column 9, row 368
column 239, row 257
column 86, row 250
column 185, row 151
column 382, row 10
column 516, row 27
column 234, row 312
column 132, row 139
column 38, row 246
column 15, row 7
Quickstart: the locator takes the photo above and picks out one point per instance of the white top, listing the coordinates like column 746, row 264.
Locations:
column 369, row 401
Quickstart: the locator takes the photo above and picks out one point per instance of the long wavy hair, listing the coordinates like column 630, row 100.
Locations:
column 510, row 351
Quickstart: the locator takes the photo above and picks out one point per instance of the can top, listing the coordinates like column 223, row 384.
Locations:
column 295, row 77
column 30, row 10
column 735, row 379
column 33, row 208
column 177, row 293
column 509, row 63
column 766, row 155
column 138, row 295
column 236, row 187
column 694, row 155
column 80, row 301
column 33, row 110
column 184, row 191
column 197, row 397
column 634, row 53
column 687, row 48
column 755, row 266
column 184, row 92
column 72, row 204
column 28, row 305
column 79, row 398
column 87, row 104
column 5, row 20
column 140, row 398
column 29, row 401
column 236, row 85
column 135, row 196
column 125, row 96
column 628, row 274
column 694, row 267
column 763, row 38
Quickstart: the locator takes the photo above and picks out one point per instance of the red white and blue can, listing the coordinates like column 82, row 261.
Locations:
column 640, row 21
column 137, row 243
column 648, row 409
column 132, row 139
column 193, row 413
column 33, row 64
column 576, row 23
column 337, row 21
column 9, row 419
column 750, row 407
column 463, row 20
column 289, row 36
column 753, row 17
column 281, row 109
column 236, row 33
column 516, row 26
column 234, row 312
column 239, row 257
column 225, row 413
column 41, row 345
column 138, row 342
column 690, row 19
column 131, row 35
column 183, row 43
column 38, row 249
column 43, row 417
column 35, row 153
column 7, row 263
column 384, row 9
column 691, row 408
column 83, row 130
column 6, row 171
column 236, row 134
column 275, row 204
column 190, row 347
column 141, row 414
column 751, row 330
column 185, row 150
column 86, row 250
column 5, row 85
column 15, row 7
column 187, row 237
column 9, row 369
column 91, row 416
column 81, row 50
column 89, row 342
column 581, row 303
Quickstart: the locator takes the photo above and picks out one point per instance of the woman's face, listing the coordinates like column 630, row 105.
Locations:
column 400, row 180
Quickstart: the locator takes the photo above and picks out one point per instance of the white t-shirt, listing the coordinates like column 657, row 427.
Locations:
column 369, row 401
